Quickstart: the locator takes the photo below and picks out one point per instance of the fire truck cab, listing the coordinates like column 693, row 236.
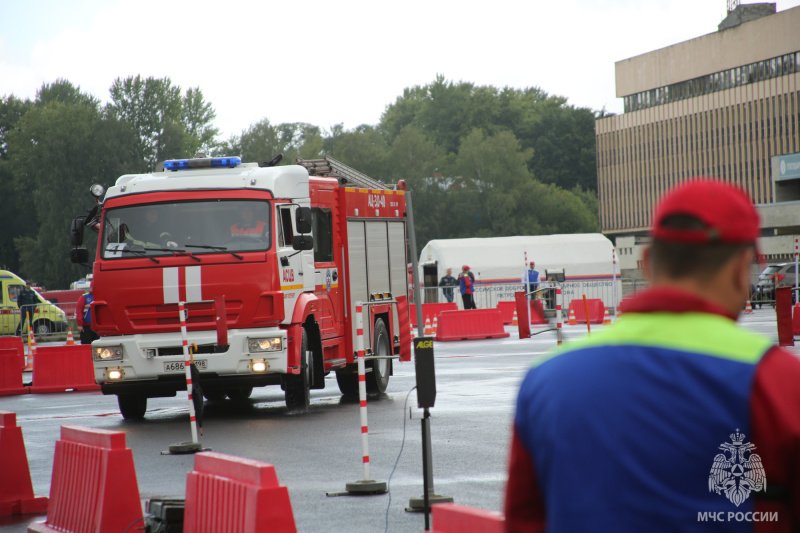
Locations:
column 269, row 263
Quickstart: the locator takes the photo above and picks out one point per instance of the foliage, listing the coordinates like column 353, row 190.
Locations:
column 476, row 160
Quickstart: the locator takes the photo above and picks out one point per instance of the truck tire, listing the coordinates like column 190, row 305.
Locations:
column 347, row 379
column 214, row 395
column 378, row 379
column 238, row 394
column 42, row 327
column 297, row 388
column 132, row 406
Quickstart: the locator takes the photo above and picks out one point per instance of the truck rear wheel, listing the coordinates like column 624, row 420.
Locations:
column 297, row 388
column 132, row 406
column 347, row 380
column 378, row 379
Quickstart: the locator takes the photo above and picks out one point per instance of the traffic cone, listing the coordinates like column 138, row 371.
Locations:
column 428, row 330
column 31, row 351
column 435, row 325
column 749, row 308
column 515, row 320
column 70, row 338
column 572, row 321
column 606, row 317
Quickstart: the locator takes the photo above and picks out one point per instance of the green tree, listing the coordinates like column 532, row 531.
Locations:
column 168, row 125
column 362, row 148
column 57, row 152
column 15, row 200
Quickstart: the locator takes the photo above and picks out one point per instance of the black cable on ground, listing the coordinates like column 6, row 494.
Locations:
column 402, row 444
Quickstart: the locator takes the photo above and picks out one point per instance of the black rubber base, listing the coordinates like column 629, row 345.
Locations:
column 417, row 505
column 183, row 448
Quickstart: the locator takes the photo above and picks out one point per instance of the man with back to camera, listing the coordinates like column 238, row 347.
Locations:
column 466, row 281
column 674, row 414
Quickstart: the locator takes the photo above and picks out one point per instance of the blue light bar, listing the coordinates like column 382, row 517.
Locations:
column 205, row 162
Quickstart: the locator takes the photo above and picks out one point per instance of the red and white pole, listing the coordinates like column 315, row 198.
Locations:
column 559, row 331
column 366, row 485
column 614, row 280
column 362, row 389
column 187, row 366
column 796, row 281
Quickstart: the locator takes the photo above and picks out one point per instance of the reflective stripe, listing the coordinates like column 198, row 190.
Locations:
column 171, row 287
column 194, row 286
column 689, row 332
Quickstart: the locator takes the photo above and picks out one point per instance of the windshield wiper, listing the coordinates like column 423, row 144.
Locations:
column 175, row 251
column 217, row 248
column 137, row 252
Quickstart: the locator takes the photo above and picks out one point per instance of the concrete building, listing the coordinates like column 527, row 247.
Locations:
column 726, row 105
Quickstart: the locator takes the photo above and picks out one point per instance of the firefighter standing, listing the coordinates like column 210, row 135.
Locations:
column 26, row 301
column 83, row 316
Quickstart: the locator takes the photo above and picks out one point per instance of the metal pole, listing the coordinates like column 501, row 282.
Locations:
column 412, row 244
column 796, row 281
column 427, row 481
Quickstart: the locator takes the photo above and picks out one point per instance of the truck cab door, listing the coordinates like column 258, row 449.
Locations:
column 295, row 268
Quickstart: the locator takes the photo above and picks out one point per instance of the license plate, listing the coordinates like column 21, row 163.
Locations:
column 178, row 366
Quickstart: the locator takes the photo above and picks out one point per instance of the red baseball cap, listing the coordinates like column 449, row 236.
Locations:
column 726, row 211
column 465, row 267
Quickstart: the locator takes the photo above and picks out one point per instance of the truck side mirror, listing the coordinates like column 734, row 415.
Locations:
column 303, row 242
column 302, row 219
column 76, row 231
column 79, row 255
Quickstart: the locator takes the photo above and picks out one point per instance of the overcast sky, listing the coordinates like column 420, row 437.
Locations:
column 330, row 62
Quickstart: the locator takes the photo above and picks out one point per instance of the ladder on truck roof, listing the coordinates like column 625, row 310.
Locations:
column 330, row 167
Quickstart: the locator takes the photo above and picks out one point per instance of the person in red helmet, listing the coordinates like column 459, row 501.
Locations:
column 466, row 281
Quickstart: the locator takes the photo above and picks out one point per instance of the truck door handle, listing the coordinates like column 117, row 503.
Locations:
column 335, row 275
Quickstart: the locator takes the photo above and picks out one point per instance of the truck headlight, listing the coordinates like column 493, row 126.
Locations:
column 108, row 353
column 259, row 365
column 267, row 344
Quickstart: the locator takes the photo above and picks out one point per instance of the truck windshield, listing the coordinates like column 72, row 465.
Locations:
column 201, row 227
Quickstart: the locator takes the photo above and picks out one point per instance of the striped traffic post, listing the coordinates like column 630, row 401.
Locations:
column 614, row 280
column 366, row 485
column 559, row 331
column 194, row 445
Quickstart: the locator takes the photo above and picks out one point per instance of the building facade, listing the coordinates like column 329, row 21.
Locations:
column 725, row 105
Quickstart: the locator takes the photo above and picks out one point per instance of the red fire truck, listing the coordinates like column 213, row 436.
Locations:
column 269, row 262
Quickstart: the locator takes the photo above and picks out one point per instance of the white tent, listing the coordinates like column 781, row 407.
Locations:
column 583, row 256
column 586, row 260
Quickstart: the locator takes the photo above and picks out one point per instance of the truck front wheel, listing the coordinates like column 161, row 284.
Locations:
column 297, row 386
column 132, row 406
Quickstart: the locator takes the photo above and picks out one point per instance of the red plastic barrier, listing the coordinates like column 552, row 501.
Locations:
column 523, row 322
column 536, row 312
column 94, row 487
column 783, row 308
column 62, row 368
column 11, row 364
column 470, row 324
column 15, row 343
column 796, row 319
column 16, row 490
column 226, row 493
column 596, row 310
column 430, row 311
column 402, row 322
column 455, row 518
